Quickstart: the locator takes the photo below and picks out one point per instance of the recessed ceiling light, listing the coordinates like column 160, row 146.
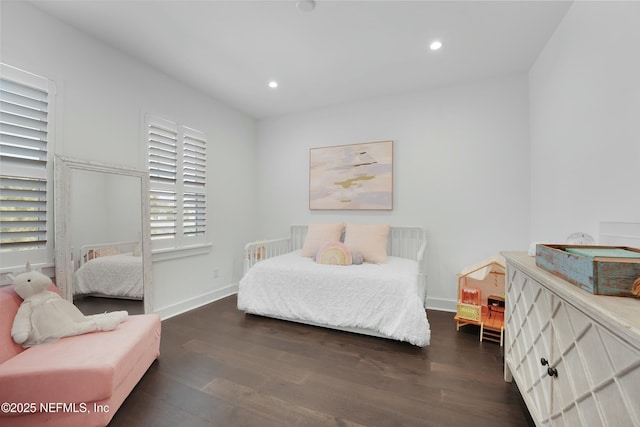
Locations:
column 306, row 5
column 273, row 84
column 435, row 45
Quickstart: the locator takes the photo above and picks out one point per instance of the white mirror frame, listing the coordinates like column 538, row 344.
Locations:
column 63, row 228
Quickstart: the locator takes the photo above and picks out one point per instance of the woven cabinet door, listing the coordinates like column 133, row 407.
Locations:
column 528, row 341
column 598, row 379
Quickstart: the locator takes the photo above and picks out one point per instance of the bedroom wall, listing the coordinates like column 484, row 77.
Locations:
column 585, row 139
column 89, row 218
column 95, row 218
column 102, row 96
column 120, row 226
column 461, row 170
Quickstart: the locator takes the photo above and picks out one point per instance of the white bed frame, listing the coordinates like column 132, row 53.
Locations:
column 123, row 247
column 405, row 242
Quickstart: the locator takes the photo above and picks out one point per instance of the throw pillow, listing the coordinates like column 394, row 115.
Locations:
column 370, row 240
column 318, row 235
column 334, row 253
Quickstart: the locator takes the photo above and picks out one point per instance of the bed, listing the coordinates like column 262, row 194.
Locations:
column 384, row 299
column 110, row 270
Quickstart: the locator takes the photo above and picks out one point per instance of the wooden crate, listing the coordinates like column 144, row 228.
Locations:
column 599, row 275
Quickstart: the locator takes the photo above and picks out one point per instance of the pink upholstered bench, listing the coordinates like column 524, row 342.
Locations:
column 76, row 381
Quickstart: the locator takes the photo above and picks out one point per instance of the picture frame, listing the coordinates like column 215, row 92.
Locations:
column 351, row 177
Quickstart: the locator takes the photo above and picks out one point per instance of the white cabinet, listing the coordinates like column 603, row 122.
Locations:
column 591, row 346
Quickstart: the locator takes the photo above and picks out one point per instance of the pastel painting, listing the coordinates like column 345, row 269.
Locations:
column 356, row 176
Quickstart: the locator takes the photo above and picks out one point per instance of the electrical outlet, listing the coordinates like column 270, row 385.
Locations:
column 216, row 273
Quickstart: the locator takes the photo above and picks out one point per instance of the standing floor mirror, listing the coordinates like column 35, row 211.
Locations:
column 102, row 234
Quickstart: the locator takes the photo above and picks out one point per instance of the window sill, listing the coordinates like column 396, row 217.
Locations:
column 175, row 253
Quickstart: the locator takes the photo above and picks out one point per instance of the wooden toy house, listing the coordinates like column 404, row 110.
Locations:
column 481, row 298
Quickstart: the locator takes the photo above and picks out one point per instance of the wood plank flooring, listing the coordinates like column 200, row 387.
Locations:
column 220, row 367
column 93, row 305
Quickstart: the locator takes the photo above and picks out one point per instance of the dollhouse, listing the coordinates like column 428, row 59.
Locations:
column 481, row 298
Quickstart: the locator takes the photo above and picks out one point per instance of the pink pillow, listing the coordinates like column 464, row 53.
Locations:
column 334, row 253
column 320, row 234
column 370, row 240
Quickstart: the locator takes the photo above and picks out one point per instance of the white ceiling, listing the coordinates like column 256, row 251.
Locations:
column 342, row 51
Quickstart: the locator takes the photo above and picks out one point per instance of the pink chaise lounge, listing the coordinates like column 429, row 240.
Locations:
column 76, row 381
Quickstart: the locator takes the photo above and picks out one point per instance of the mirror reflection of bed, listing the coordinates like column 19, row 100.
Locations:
column 109, row 277
column 105, row 214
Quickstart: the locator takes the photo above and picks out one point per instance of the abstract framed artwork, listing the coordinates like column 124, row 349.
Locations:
column 356, row 176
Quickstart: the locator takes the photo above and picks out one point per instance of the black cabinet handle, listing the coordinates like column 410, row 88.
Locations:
column 552, row 372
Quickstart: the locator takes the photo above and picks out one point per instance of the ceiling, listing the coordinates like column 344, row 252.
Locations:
column 341, row 51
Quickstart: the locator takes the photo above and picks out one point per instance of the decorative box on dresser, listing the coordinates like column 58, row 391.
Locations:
column 574, row 356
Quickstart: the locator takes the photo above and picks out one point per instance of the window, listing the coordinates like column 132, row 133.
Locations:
column 26, row 177
column 177, row 171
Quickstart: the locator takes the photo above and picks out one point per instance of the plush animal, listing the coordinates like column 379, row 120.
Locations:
column 44, row 316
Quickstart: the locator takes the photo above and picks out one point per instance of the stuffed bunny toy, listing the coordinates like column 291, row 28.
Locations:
column 44, row 316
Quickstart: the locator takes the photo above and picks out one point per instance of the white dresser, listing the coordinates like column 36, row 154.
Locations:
column 574, row 356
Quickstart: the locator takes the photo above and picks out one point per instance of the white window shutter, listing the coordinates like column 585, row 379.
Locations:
column 194, row 158
column 23, row 130
column 23, row 213
column 163, row 154
column 177, row 170
column 194, row 214
column 163, row 171
column 25, row 177
column 164, row 214
column 194, row 176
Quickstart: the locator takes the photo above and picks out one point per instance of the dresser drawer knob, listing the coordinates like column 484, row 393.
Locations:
column 552, row 372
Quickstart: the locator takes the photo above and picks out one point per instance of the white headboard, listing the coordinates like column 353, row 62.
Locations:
column 119, row 247
column 405, row 242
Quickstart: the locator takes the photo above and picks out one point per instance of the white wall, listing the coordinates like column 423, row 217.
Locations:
column 461, row 169
column 105, row 208
column 464, row 167
column 124, row 202
column 102, row 97
column 585, row 110
column 89, row 212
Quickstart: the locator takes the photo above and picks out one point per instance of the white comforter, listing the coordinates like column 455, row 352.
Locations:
column 379, row 297
column 115, row 275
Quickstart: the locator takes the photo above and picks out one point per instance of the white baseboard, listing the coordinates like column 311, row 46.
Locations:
column 193, row 303
column 441, row 304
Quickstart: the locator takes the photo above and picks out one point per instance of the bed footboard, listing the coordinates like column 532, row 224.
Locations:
column 263, row 249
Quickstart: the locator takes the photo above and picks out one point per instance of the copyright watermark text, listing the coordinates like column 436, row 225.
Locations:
column 52, row 407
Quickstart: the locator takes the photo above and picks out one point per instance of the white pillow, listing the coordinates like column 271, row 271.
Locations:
column 370, row 240
column 318, row 235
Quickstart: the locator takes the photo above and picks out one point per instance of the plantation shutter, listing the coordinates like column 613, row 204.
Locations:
column 193, row 172
column 24, row 127
column 163, row 173
column 177, row 171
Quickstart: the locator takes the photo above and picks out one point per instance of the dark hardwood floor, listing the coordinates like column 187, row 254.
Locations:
column 94, row 305
column 220, row 367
